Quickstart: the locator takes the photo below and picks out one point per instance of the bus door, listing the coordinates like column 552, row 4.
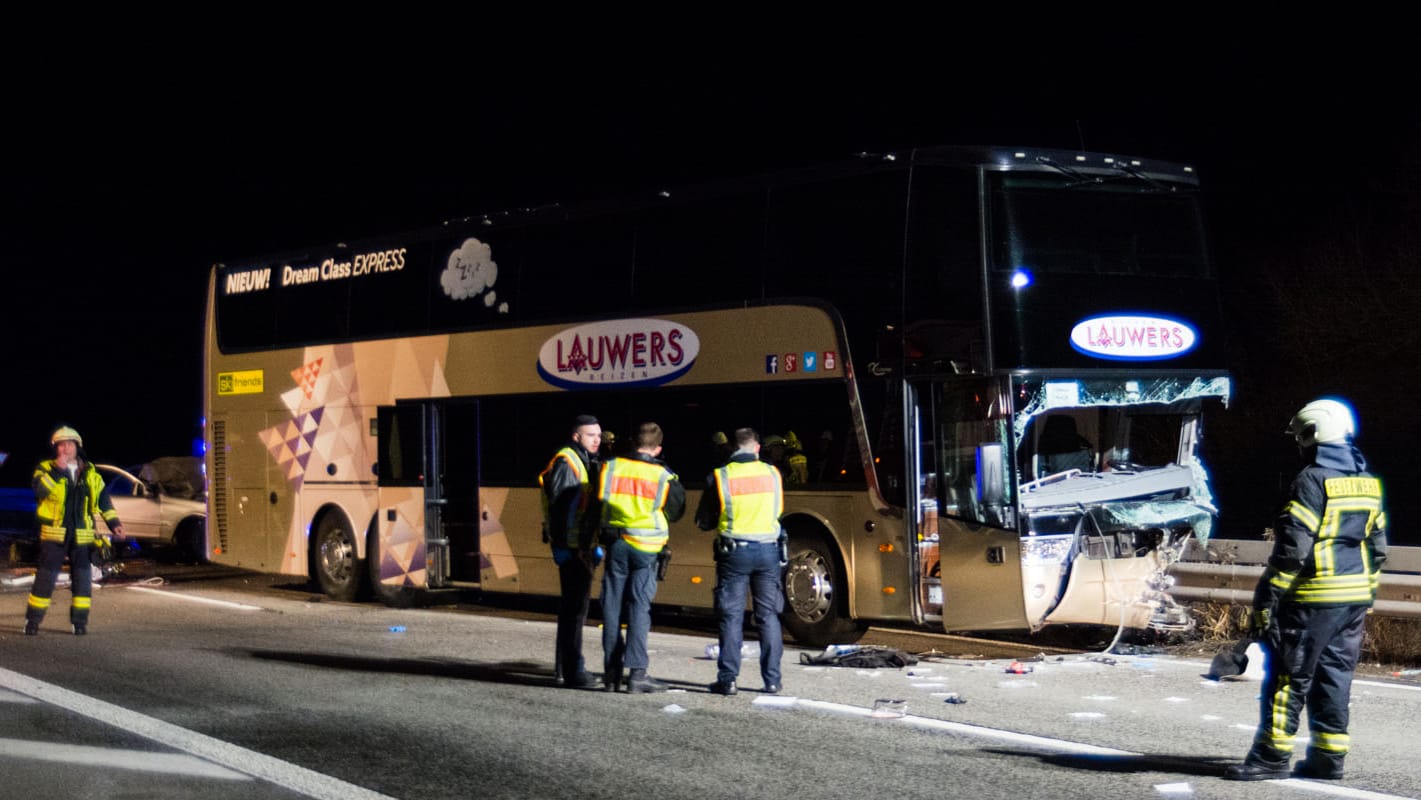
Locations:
column 972, row 574
column 429, row 496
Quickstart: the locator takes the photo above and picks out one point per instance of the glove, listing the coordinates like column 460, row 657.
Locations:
column 1262, row 626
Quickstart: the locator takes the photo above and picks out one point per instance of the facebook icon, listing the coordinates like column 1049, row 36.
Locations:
column 772, row 364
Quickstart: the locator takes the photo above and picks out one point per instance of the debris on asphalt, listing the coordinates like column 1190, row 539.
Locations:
column 889, row 709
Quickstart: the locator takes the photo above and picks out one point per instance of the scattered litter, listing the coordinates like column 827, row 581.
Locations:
column 1018, row 668
column 397, row 629
column 1036, row 659
column 852, row 655
column 1087, row 715
column 1136, row 650
column 1174, row 788
column 747, row 649
column 773, row 701
column 954, row 699
column 674, row 709
column 156, row 580
column 1406, row 672
column 889, row 709
column 1106, row 660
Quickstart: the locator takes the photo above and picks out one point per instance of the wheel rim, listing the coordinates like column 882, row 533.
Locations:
column 809, row 585
column 337, row 556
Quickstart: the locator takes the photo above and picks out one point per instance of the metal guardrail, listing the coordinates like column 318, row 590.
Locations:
column 1227, row 571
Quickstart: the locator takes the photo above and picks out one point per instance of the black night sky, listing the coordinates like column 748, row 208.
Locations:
column 121, row 189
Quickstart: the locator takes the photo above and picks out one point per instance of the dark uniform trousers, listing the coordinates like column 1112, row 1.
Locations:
column 81, row 587
column 1311, row 660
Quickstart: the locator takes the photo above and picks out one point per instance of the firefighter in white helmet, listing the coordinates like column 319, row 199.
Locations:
column 70, row 495
column 1311, row 603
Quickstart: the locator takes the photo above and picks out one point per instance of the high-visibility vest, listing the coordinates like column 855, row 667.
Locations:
column 1340, row 569
column 751, row 500
column 633, row 495
column 574, row 460
column 51, row 508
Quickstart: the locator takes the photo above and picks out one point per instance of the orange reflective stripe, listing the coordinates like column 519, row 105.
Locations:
column 753, row 484
column 632, row 486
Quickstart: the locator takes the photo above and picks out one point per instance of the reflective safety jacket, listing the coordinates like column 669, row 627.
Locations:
column 640, row 496
column 1330, row 540
column 567, row 494
column 751, row 500
column 71, row 503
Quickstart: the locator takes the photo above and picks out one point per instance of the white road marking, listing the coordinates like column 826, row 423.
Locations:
column 1382, row 685
column 258, row 765
column 193, row 598
column 112, row 757
column 11, row 697
column 1057, row 745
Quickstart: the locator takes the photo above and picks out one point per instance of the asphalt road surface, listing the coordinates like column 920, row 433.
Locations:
column 224, row 684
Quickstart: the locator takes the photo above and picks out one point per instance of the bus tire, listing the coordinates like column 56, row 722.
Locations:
column 191, row 541
column 392, row 596
column 335, row 559
column 816, row 607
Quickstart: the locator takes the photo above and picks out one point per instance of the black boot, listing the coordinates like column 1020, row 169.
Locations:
column 1320, row 766
column 1253, row 769
column 31, row 627
column 641, row 683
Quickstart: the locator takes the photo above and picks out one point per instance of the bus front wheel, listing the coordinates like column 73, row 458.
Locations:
column 337, row 567
column 816, row 605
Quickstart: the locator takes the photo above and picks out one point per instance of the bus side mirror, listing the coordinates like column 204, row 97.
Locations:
column 990, row 473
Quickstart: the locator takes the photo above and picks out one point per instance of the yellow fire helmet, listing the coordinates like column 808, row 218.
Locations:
column 66, row 434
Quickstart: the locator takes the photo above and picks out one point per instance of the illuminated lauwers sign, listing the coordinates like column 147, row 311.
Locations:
column 625, row 352
column 1133, row 337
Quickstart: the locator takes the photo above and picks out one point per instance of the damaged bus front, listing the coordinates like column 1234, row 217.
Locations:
column 1060, row 475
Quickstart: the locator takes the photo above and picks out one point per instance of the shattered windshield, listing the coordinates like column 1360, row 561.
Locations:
column 1081, row 442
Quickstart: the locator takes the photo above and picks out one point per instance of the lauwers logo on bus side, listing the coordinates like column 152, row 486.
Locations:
column 624, row 352
column 1133, row 337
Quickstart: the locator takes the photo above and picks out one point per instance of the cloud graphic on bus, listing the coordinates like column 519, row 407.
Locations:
column 471, row 270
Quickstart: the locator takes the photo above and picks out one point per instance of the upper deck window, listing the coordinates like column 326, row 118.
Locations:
column 1106, row 224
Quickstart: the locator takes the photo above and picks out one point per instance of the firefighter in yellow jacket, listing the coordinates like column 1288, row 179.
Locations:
column 71, row 497
column 1310, row 607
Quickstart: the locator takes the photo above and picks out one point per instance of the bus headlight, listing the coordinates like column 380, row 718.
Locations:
column 1042, row 550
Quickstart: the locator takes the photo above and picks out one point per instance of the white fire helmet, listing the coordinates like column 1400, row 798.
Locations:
column 1323, row 421
column 66, row 434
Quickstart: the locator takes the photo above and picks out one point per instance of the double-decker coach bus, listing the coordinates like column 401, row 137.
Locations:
column 990, row 367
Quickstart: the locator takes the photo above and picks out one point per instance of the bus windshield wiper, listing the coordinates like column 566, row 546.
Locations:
column 1081, row 179
column 1138, row 175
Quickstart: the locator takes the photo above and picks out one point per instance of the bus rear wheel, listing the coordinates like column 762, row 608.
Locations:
column 337, row 567
column 816, row 608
